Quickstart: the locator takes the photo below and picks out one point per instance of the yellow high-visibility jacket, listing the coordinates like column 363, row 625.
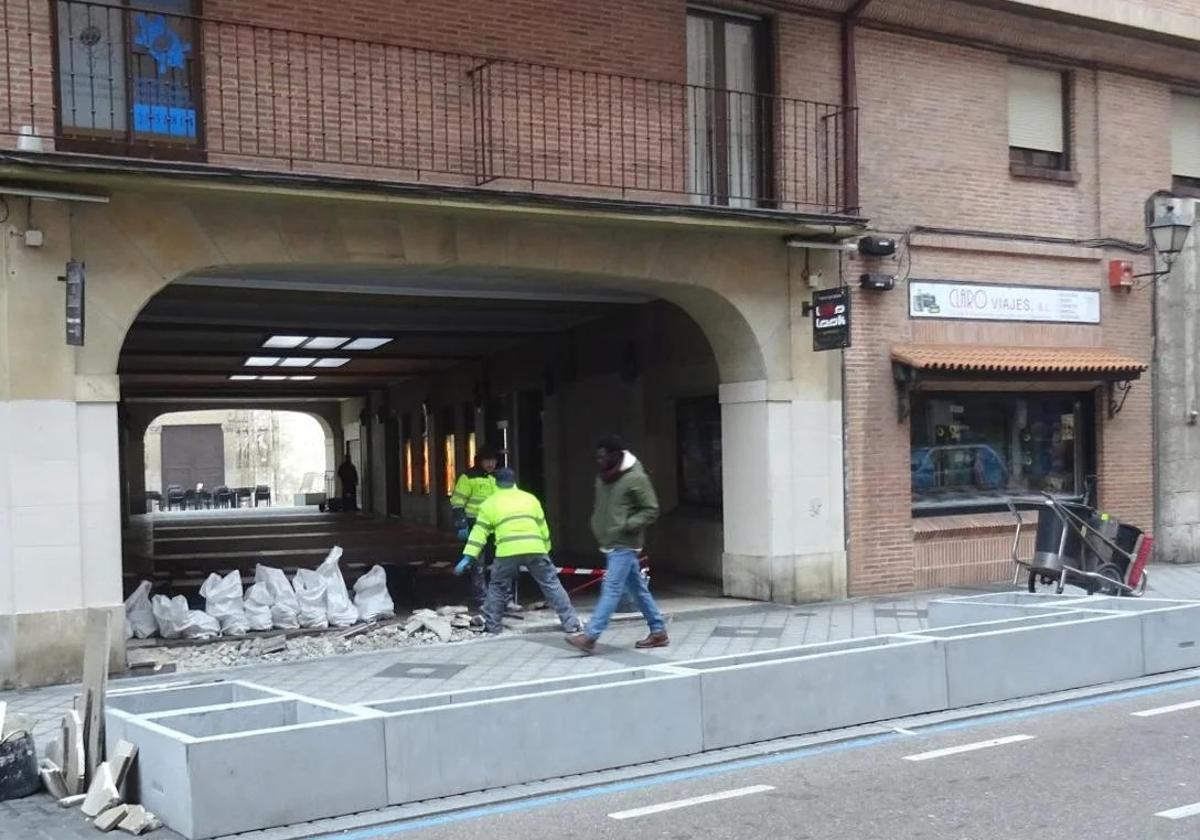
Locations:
column 471, row 490
column 516, row 520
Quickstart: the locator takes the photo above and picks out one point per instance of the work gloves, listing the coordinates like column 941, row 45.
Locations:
column 462, row 566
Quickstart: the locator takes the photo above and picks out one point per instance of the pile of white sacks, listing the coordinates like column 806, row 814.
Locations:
column 311, row 599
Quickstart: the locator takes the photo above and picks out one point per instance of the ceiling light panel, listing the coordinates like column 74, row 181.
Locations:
column 326, row 342
column 262, row 361
column 240, row 378
column 330, row 362
column 285, row 342
column 302, row 378
column 297, row 361
column 366, row 343
column 273, row 378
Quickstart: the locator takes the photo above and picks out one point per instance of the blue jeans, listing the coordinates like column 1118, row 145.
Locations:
column 623, row 575
column 505, row 572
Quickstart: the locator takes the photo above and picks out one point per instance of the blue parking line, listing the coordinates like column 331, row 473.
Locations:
column 862, row 742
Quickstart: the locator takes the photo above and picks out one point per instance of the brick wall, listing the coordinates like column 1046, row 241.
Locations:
column 934, row 152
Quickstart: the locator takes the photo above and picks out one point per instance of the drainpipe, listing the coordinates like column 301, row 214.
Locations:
column 850, row 103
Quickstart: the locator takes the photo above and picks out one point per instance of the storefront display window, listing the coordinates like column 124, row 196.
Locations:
column 977, row 450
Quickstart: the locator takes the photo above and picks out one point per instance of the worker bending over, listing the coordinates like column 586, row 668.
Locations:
column 471, row 490
column 515, row 520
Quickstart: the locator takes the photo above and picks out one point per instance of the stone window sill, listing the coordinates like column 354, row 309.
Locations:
column 1041, row 173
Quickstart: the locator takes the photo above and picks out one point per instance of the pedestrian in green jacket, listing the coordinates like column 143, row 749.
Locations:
column 625, row 506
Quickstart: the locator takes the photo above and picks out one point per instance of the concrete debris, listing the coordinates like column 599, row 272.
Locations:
column 273, row 645
column 72, row 801
column 452, row 611
column 440, row 626
column 460, row 622
column 52, row 779
column 109, row 820
column 102, row 794
column 138, row 821
column 3, row 716
column 124, row 754
column 414, row 624
column 54, row 752
column 73, row 767
column 424, row 613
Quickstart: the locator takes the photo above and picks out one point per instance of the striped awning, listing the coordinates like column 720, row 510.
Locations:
column 1057, row 362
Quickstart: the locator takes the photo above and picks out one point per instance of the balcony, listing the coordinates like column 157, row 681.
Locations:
column 103, row 78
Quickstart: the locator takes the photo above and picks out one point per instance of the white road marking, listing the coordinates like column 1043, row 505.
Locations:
column 1165, row 710
column 1181, row 812
column 687, row 803
column 903, row 731
column 962, row 748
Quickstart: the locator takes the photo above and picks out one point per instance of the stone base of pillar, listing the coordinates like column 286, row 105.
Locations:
column 46, row 648
column 792, row 579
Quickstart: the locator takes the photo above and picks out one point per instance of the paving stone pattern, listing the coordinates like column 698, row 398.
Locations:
column 514, row 657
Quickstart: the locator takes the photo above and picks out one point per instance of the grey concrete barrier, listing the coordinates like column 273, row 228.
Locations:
column 1004, row 660
column 994, row 606
column 456, row 744
column 795, row 691
column 251, row 765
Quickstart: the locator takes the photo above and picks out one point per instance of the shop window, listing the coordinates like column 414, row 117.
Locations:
column 426, row 454
column 128, row 74
column 977, row 450
column 468, row 413
column 1038, row 118
column 698, row 424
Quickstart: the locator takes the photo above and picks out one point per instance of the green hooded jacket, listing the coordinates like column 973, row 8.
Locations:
column 624, row 508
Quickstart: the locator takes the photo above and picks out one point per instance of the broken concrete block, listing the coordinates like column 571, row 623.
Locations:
column 54, row 752
column 138, row 820
column 424, row 613
column 460, row 622
column 452, row 611
column 275, row 644
column 440, row 626
column 74, row 767
column 72, row 801
column 52, row 779
column 111, row 818
column 414, row 624
column 121, row 762
column 102, row 794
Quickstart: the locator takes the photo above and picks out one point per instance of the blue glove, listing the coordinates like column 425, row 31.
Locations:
column 463, row 533
column 462, row 566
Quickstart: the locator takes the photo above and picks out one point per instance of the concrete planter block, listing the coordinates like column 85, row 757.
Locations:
column 949, row 612
column 1003, row 660
column 757, row 697
column 258, row 764
column 121, row 706
column 529, row 733
column 1170, row 630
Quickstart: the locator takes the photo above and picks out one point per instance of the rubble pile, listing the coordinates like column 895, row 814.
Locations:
column 448, row 624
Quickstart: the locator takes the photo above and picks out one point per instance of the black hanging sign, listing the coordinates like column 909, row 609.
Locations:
column 75, row 315
column 830, row 310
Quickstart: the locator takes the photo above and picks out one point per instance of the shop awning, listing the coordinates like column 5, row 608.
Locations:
column 913, row 364
column 1088, row 363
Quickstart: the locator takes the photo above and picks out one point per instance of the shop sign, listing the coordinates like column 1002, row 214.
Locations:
column 74, row 309
column 986, row 302
column 831, row 318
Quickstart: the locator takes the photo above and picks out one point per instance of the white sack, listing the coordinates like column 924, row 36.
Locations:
column 223, row 601
column 176, row 621
column 311, row 592
column 285, row 609
column 342, row 613
column 371, row 597
column 257, row 607
column 139, row 615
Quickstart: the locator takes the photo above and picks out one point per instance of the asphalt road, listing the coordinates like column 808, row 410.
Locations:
column 1093, row 770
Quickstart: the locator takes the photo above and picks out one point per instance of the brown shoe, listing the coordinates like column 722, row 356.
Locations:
column 654, row 640
column 582, row 643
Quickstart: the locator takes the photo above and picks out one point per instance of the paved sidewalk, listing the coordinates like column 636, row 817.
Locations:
column 514, row 657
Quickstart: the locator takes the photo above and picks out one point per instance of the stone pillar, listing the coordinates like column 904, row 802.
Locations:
column 60, row 511
column 782, row 476
column 1177, row 403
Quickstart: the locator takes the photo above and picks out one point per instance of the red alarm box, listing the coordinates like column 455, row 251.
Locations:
column 1120, row 274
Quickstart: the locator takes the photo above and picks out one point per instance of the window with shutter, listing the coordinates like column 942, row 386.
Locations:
column 1185, row 140
column 1037, row 117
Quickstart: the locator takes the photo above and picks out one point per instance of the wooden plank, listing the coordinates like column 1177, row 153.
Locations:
column 98, row 643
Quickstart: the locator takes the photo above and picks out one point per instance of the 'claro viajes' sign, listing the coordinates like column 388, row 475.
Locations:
column 985, row 302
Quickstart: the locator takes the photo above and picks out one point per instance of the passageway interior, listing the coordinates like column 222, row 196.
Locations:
column 410, row 376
